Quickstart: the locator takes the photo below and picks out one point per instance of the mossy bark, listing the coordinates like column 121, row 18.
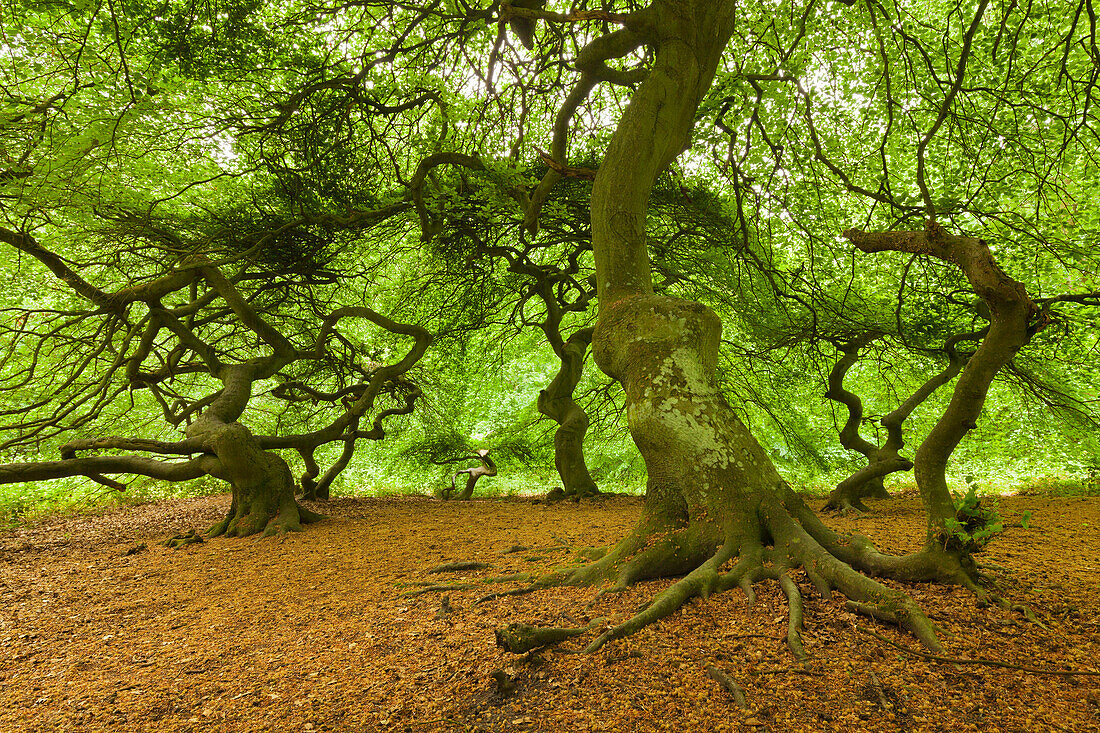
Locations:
column 261, row 481
column 262, row 485
column 713, row 494
column 716, row 513
column 557, row 403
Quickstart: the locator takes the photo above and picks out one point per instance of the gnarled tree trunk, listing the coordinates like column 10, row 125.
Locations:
column 867, row 482
column 551, row 286
column 1011, row 311
column 473, row 475
column 713, row 494
column 261, row 481
column 881, row 461
column 557, row 403
column 262, row 487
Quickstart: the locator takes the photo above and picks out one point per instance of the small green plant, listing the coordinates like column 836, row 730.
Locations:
column 973, row 525
column 1025, row 519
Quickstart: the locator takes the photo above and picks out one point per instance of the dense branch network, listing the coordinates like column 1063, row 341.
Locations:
column 885, row 459
column 220, row 332
column 311, row 163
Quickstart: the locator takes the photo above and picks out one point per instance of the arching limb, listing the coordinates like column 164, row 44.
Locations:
column 473, row 475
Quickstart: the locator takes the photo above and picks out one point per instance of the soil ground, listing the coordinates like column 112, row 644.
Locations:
column 314, row 634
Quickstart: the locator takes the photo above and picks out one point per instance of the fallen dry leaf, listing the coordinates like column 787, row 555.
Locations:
column 313, row 634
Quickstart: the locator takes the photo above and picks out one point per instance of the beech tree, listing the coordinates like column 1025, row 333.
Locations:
column 486, row 469
column 134, row 342
column 713, row 494
column 884, row 459
column 551, row 285
column 882, row 134
column 560, row 293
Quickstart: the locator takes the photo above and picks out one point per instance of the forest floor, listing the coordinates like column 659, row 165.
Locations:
column 314, row 634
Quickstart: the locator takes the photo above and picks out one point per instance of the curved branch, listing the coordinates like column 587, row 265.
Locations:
column 245, row 313
column 26, row 243
column 429, row 225
column 114, row 442
column 955, row 361
column 1011, row 310
column 849, row 433
column 592, row 63
column 387, row 374
column 46, row 470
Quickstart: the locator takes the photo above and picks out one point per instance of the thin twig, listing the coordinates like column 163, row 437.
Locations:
column 457, row 566
column 877, row 685
column 986, row 662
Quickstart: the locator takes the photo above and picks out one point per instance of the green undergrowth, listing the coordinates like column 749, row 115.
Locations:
column 27, row 504
column 1046, row 486
column 1055, row 487
column 23, row 505
column 976, row 521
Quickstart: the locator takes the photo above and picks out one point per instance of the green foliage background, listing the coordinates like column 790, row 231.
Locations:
column 209, row 122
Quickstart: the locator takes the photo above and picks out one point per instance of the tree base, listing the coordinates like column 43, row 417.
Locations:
column 845, row 506
column 314, row 492
column 559, row 494
column 847, row 498
column 767, row 549
column 246, row 519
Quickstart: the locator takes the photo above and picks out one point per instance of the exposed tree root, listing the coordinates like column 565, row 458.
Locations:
column 522, row 638
column 263, row 488
column 794, row 616
column 592, row 553
column 457, row 566
column 506, row 684
column 429, row 587
column 177, row 541
column 846, row 507
column 729, row 685
column 880, row 692
column 632, row 654
column 789, row 546
column 501, row 594
column 933, row 563
column 1029, row 615
column 557, row 494
column 441, row 588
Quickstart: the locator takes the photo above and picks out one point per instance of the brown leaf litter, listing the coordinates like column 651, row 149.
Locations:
column 313, row 633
